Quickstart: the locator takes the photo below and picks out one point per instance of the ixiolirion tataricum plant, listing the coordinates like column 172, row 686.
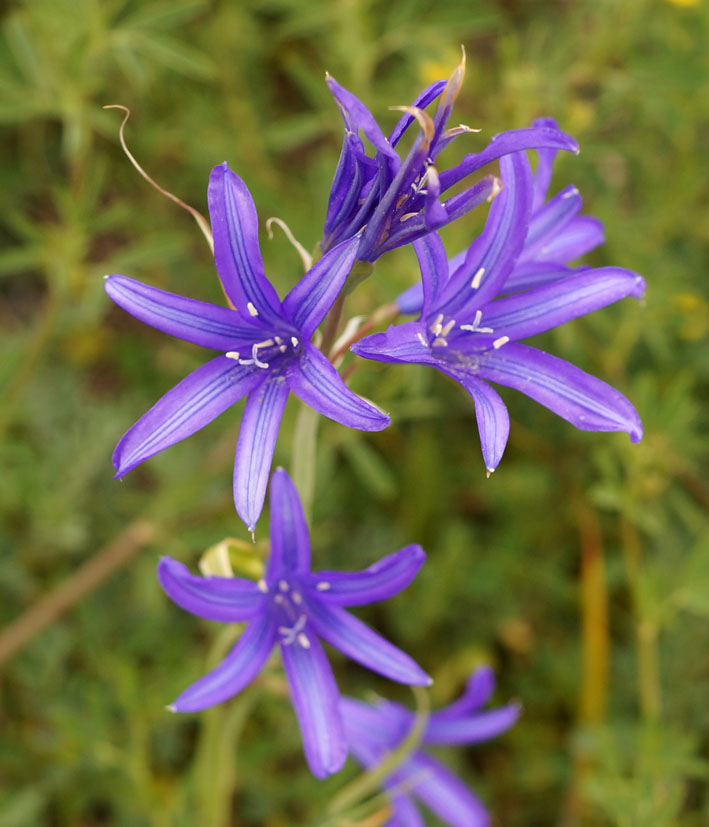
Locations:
column 516, row 279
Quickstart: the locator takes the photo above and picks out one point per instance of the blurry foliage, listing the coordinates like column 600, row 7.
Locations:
column 85, row 738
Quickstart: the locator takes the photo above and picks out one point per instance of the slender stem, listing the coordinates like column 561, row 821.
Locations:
column 304, row 456
column 384, row 313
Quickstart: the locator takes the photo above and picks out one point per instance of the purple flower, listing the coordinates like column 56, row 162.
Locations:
column 374, row 731
column 265, row 346
column 393, row 202
column 469, row 336
column 296, row 607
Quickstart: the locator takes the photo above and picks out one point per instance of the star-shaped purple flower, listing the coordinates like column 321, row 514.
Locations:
column 296, row 607
column 469, row 336
column 375, row 730
column 265, row 346
column 394, row 202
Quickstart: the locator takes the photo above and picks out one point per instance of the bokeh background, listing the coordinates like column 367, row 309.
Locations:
column 580, row 570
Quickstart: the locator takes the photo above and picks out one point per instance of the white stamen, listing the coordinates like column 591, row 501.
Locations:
column 252, row 310
column 279, row 599
column 293, row 633
column 261, row 585
column 422, row 340
column 436, row 327
column 283, row 585
column 254, row 352
column 297, row 599
column 497, row 344
column 439, row 342
column 447, row 329
column 475, row 326
column 303, row 640
column 232, row 354
column 477, row 278
column 294, row 341
column 322, row 586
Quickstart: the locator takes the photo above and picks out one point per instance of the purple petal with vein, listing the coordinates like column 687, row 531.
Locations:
column 400, row 343
column 478, row 691
column 228, row 599
column 549, row 220
column 255, row 446
column 581, row 235
column 290, row 542
column 310, row 299
column 471, row 730
column 406, row 813
column 356, row 640
column 429, row 94
column 198, row 322
column 433, row 265
column 315, row 698
column 545, row 165
column 237, row 254
column 581, row 399
column 189, row 406
column 530, row 274
column 380, row 581
column 236, row 671
column 316, row 382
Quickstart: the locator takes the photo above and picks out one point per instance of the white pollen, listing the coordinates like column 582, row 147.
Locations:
column 440, row 342
column 477, row 278
column 252, row 310
column 497, row 344
column 278, row 340
column 282, row 348
column 232, row 354
column 447, row 329
column 294, row 341
column 303, row 640
column 436, row 327
column 278, row 598
column 283, row 586
column 422, row 340
column 322, row 586
column 297, row 599
column 261, row 585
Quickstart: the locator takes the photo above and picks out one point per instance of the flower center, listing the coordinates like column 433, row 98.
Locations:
column 263, row 354
column 289, row 602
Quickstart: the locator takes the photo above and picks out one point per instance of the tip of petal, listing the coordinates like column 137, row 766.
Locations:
column 489, row 472
column 171, row 708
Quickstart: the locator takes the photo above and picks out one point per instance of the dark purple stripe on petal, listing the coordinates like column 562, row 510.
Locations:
column 316, row 382
column 530, row 274
column 199, row 322
column 237, row 254
column 380, row 581
column 550, row 220
column 581, row 235
column 189, row 406
column 316, row 701
column 227, row 599
column 236, row 671
column 407, row 342
column 290, row 541
column 581, row 399
column 310, row 299
column 433, row 264
column 356, row 640
column 255, row 446
column 473, row 729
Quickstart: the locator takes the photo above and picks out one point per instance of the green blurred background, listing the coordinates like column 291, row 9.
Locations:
column 580, row 570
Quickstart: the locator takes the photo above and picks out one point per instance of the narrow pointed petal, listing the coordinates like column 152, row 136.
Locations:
column 491, row 415
column 581, row 399
column 545, row 165
column 237, row 254
column 411, row 300
column 550, row 220
column 471, row 730
column 528, row 275
column 434, row 212
column 478, row 691
column 189, row 406
column 255, row 446
column 514, row 140
column 236, row 671
column 433, row 264
column 493, row 254
column 384, row 579
column 316, row 701
column 290, row 541
column 407, row 342
column 581, row 235
column 444, row 793
column 199, row 322
column 316, row 382
column 429, row 94
column 383, row 725
column 354, row 170
column 406, row 813
column 356, row 640
column 310, row 299
column 227, row 599
column 527, row 314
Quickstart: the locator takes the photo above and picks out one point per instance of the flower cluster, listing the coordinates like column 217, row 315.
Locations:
column 514, row 280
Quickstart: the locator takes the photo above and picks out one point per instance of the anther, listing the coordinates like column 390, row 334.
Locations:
column 303, row 640
column 436, row 327
column 261, row 585
column 283, row 585
column 294, row 341
column 232, row 354
column 252, row 310
column 477, row 278
column 297, row 599
column 497, row 344
column 447, row 329
column 322, row 586
column 439, row 342
column 422, row 340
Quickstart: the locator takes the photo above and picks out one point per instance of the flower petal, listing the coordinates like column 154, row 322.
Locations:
column 433, row 264
column 406, row 813
column 383, row 725
column 478, row 690
column 356, row 640
column 527, row 314
column 514, row 140
column 237, row 254
column 545, row 165
column 189, row 406
column 482, row 726
column 407, row 342
column 384, row 579
column 491, row 415
column 236, row 671
column 255, row 446
column 429, row 94
column 581, row 399
column 444, row 793
column 290, row 541
column 530, row 274
column 310, row 299
column 581, row 235
column 411, row 300
column 227, row 599
column 203, row 324
column 316, row 382
column 550, row 220
column 316, row 701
